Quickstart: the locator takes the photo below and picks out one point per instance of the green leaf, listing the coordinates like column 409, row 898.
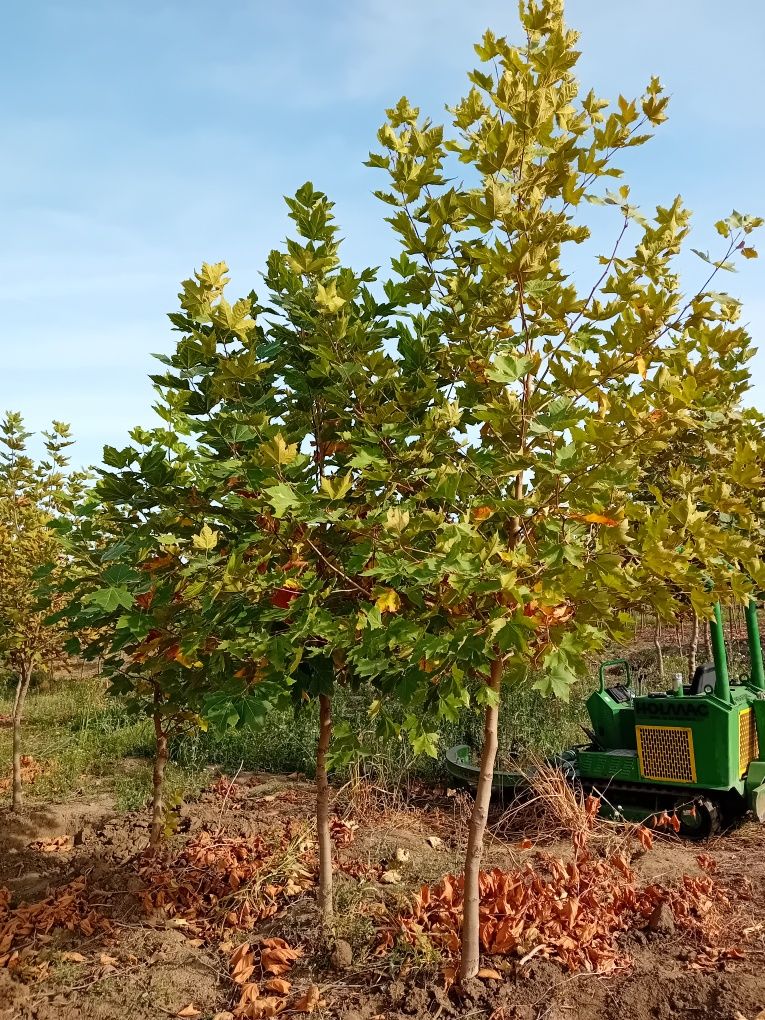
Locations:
column 508, row 368
column 282, row 498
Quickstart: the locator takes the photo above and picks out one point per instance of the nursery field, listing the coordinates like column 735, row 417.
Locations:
column 222, row 921
column 478, row 511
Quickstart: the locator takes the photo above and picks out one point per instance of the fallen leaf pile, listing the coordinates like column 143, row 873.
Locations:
column 343, row 831
column 216, row 880
column 29, row 926
column 227, row 789
column 570, row 911
column 31, row 769
column 55, row 845
column 705, row 909
column 263, row 991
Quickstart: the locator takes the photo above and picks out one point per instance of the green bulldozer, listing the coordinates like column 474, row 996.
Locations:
column 691, row 753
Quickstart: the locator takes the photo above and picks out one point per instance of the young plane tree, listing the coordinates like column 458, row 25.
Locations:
column 288, row 404
column 520, row 540
column 32, row 494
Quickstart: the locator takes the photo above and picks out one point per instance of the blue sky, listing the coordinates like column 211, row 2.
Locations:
column 141, row 139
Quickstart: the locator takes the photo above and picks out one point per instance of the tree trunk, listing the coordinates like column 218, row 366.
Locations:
column 731, row 633
column 693, row 647
column 22, row 686
column 322, row 809
column 707, row 641
column 471, row 946
column 657, row 644
column 158, row 783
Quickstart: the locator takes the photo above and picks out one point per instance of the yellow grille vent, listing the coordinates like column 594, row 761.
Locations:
column 666, row 752
column 748, row 749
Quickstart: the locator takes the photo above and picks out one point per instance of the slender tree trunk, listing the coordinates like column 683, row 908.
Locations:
column 731, row 633
column 657, row 645
column 693, row 646
column 471, row 946
column 322, row 809
column 707, row 641
column 22, row 686
column 158, row 783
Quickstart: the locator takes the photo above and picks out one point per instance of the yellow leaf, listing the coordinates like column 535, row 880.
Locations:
column 604, row 405
column 749, row 253
column 278, row 451
column 397, row 520
column 327, row 298
column 206, row 539
column 389, row 602
column 641, row 366
column 601, row 519
column 187, row 660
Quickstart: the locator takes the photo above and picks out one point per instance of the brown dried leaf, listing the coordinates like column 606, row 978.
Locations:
column 277, row 956
column 278, row 986
column 189, row 1011
column 308, row 1002
column 488, row 974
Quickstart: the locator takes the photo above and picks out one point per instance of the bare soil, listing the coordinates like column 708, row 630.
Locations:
column 151, row 963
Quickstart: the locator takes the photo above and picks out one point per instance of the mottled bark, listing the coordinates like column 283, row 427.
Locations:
column 322, row 809
column 158, row 783
column 22, row 687
column 657, row 646
column 471, row 947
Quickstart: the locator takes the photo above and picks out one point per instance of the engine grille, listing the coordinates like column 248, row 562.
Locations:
column 748, row 748
column 666, row 752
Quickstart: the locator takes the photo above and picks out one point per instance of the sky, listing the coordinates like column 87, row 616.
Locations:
column 142, row 139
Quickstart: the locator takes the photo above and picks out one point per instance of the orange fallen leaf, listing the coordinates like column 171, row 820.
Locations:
column 278, row 985
column 241, row 964
column 263, row 1008
column 250, row 993
column 489, row 974
column 645, row 836
column 307, row 1003
column 189, row 1011
column 277, row 956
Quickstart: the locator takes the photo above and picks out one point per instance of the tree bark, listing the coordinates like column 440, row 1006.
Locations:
column 471, row 945
column 707, row 641
column 22, row 686
column 322, row 809
column 693, row 647
column 158, row 783
column 657, row 645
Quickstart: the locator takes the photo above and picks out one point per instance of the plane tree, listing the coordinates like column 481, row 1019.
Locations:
column 520, row 540
column 33, row 493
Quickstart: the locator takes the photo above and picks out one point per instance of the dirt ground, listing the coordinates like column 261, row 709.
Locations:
column 140, row 937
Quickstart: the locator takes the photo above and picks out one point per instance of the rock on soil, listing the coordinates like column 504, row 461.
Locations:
column 342, row 956
column 662, row 920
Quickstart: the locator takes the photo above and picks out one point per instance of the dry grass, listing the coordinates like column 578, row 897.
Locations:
column 553, row 810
